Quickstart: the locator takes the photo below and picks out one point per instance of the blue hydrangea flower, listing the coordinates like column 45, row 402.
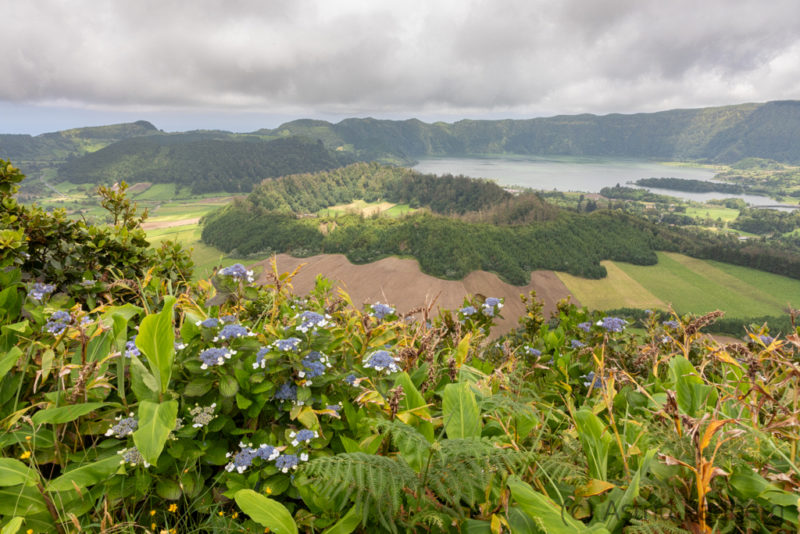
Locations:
column 382, row 360
column 286, row 345
column 490, row 304
column 285, row 462
column 533, row 352
column 177, row 345
column 593, row 381
column 39, row 290
column 314, row 364
column 232, row 331
column 88, row 283
column 577, row 344
column 467, row 310
column 766, row 340
column 133, row 457
column 215, row 356
column 131, row 349
column 261, row 358
column 228, row 318
column 58, row 322
column 211, row 322
column 303, row 436
column 586, row 326
column 267, row 452
column 124, row 427
column 287, row 392
column 238, row 272
column 310, row 320
column 379, row 311
column 671, row 324
column 351, row 379
column 612, row 324
column 242, row 459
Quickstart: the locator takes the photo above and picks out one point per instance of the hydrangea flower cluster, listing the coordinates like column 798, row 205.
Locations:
column 490, row 304
column 379, row 311
column 124, row 427
column 287, row 392
column 58, row 322
column 532, row 352
column 765, row 339
column 382, row 360
column 243, row 459
column 39, row 291
column 310, row 320
column 202, row 415
column 302, row 436
column 593, row 381
column 577, row 344
column 285, row 462
column 211, row 322
column 261, row 358
column 314, row 364
column 238, row 272
column 467, row 311
column 232, row 331
column 612, row 324
column 228, row 318
column 215, row 356
column 131, row 349
column 133, row 457
column 351, row 379
column 286, row 345
column 88, row 283
column 673, row 324
column 585, row 326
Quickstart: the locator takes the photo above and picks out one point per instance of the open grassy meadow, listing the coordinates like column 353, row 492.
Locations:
column 689, row 285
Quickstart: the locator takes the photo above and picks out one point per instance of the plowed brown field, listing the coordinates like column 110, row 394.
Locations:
column 400, row 283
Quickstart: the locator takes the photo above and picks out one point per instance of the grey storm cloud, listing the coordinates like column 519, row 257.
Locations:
column 374, row 55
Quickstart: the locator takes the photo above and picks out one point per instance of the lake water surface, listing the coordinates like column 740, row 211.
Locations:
column 577, row 174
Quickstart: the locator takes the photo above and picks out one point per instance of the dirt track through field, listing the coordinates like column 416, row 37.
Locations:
column 401, row 283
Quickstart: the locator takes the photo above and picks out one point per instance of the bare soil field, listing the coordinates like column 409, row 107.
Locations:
column 400, row 283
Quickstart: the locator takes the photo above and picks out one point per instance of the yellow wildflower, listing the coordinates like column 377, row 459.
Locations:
column 269, row 490
column 152, row 513
column 25, row 455
column 221, row 513
column 235, row 515
column 172, row 508
column 153, row 526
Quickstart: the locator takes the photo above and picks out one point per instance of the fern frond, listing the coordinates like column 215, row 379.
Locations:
column 653, row 526
column 405, row 438
column 375, row 483
column 462, row 469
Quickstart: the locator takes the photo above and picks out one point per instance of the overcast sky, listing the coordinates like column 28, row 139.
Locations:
column 244, row 64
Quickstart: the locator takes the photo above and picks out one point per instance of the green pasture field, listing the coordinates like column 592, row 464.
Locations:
column 708, row 212
column 689, row 285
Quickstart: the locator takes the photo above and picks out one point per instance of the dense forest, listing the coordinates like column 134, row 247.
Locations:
column 693, row 186
column 310, row 192
column 201, row 161
column 508, row 235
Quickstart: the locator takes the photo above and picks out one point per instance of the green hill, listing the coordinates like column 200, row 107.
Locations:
column 203, row 161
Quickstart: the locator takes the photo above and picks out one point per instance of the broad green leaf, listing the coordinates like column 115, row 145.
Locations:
column 13, row 473
column 99, row 347
column 156, row 340
column 86, row 476
column 595, row 440
column 48, row 356
column 413, row 400
column 8, row 360
column 156, row 421
column 12, row 527
column 460, row 413
column 144, row 385
column 228, row 386
column 347, row 524
column 623, row 504
column 462, row 350
column 21, row 500
column 691, row 393
column 550, row 517
column 65, row 414
column 266, row 512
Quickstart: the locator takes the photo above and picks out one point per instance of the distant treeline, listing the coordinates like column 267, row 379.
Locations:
column 309, row 193
column 634, row 193
column 204, row 164
column 764, row 222
column 692, row 186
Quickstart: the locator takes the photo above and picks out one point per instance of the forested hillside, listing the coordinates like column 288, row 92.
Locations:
column 721, row 134
column 206, row 162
